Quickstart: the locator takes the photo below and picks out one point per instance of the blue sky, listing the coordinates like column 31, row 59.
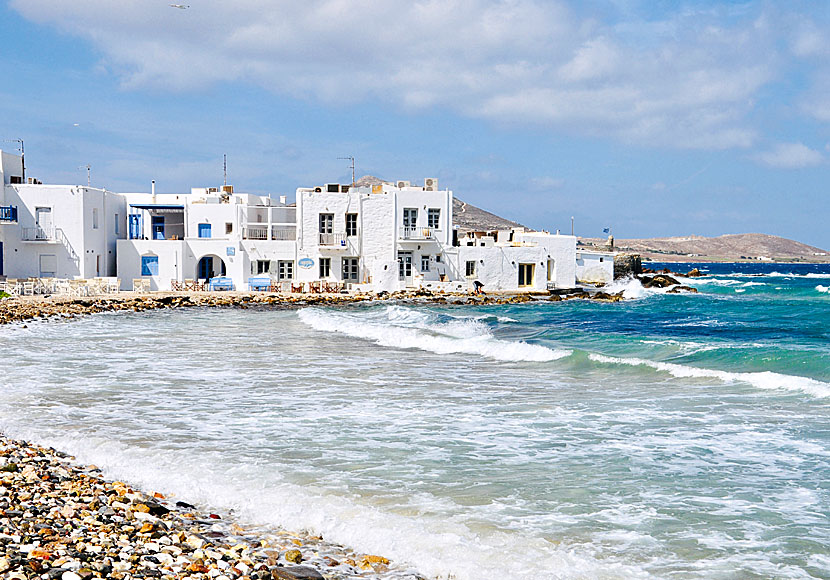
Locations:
column 654, row 118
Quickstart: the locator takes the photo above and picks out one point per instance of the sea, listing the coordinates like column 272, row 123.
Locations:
column 666, row 436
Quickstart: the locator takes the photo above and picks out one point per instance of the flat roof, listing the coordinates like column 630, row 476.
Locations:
column 156, row 206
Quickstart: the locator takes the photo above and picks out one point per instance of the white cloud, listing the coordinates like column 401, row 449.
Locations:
column 687, row 80
column 790, row 156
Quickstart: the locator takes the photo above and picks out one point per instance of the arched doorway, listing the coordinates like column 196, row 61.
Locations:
column 210, row 267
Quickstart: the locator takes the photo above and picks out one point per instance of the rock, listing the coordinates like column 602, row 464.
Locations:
column 658, row 281
column 70, row 576
column 296, row 573
column 627, row 265
column 294, row 556
column 695, row 273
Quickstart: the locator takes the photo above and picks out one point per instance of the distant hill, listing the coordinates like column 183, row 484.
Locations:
column 733, row 247
column 471, row 218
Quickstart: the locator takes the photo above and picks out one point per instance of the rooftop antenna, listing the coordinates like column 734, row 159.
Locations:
column 88, row 177
column 22, row 155
column 352, row 166
column 225, row 166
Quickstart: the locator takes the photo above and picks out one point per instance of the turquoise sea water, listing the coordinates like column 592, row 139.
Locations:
column 667, row 436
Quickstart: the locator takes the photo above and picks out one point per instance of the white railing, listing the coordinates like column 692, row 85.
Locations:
column 283, row 233
column 408, row 233
column 255, row 233
column 333, row 240
column 38, row 233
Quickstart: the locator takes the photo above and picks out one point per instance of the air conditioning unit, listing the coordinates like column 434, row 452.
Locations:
column 402, row 184
column 431, row 184
column 333, row 187
column 213, row 190
column 227, row 189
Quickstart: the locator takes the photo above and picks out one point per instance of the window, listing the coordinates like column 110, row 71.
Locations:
column 117, row 228
column 471, row 268
column 325, row 267
column 437, row 258
column 263, row 266
column 286, row 269
column 526, row 272
column 326, row 223
column 149, row 265
column 434, row 217
column 410, row 217
column 350, row 269
column 424, row 263
column 351, row 224
column 204, row 230
column 94, row 218
column 228, row 228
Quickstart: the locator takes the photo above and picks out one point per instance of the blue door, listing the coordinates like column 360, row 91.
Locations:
column 205, row 268
column 135, row 226
column 158, row 227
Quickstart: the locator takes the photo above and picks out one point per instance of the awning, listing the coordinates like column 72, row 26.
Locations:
column 159, row 206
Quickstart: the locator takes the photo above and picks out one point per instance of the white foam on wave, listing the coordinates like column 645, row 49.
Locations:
column 632, row 289
column 761, row 380
column 824, row 289
column 779, row 275
column 399, row 327
column 436, row 547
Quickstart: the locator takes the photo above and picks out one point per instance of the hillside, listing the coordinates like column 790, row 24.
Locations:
column 733, row 247
column 471, row 218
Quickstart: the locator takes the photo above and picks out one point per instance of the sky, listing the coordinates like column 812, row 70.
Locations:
column 653, row 118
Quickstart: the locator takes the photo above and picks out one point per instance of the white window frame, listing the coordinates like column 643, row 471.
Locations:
column 434, row 218
column 285, row 269
column 424, row 263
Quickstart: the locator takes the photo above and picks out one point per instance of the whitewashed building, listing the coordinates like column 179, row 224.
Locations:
column 56, row 231
column 376, row 236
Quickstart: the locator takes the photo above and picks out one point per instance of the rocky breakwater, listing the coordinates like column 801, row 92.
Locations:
column 24, row 309
column 62, row 521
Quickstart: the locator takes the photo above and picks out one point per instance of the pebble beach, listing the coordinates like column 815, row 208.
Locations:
column 61, row 520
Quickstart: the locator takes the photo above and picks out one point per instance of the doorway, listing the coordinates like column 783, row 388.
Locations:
column 157, row 224
column 526, row 275
column 210, row 267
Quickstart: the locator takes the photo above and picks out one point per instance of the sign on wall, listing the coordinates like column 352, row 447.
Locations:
column 231, row 251
column 306, row 263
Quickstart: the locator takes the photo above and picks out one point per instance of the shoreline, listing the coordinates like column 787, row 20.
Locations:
column 29, row 308
column 60, row 519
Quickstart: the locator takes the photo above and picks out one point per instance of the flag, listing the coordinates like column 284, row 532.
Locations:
column 606, row 230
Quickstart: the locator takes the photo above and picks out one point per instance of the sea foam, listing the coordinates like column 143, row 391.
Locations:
column 399, row 327
column 761, row 380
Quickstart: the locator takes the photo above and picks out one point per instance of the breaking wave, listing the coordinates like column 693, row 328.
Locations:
column 760, row 380
column 824, row 289
column 400, row 327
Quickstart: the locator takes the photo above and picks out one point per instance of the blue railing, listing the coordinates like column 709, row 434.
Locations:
column 8, row 213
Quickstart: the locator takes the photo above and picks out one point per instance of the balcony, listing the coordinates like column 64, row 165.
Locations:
column 333, row 240
column 278, row 233
column 407, row 233
column 8, row 214
column 38, row 234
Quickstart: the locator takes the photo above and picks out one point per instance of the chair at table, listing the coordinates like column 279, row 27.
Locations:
column 297, row 287
column 141, row 285
column 189, row 284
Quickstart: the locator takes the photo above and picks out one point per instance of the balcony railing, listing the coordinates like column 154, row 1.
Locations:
column 8, row 213
column 283, row 233
column 407, row 233
column 38, row 234
column 255, row 233
column 336, row 240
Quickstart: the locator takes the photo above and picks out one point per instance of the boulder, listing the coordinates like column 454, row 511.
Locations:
column 296, row 573
column 627, row 265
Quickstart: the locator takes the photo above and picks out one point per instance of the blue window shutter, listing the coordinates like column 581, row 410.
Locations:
column 204, row 230
column 149, row 265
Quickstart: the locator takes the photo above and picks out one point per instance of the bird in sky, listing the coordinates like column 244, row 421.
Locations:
column 180, row 6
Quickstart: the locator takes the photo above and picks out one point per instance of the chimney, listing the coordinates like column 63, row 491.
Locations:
column 283, row 200
column 153, row 190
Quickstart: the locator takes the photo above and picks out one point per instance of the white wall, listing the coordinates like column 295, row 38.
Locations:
column 594, row 267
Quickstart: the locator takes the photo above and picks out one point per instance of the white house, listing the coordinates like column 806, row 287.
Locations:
column 63, row 231
column 206, row 234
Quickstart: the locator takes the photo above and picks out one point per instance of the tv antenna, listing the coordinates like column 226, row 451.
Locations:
column 22, row 155
column 350, row 158
column 225, row 167
column 88, row 176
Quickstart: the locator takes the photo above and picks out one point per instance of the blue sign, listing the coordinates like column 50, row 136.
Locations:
column 306, row 263
column 231, row 251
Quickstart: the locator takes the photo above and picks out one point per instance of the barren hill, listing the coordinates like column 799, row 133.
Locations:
column 733, row 247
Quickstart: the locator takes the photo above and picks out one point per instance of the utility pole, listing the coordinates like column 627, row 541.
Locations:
column 572, row 225
column 225, row 167
column 352, row 166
